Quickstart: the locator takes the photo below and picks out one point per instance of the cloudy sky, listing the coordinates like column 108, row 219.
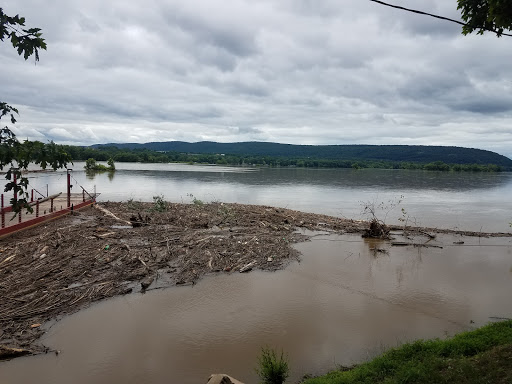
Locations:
column 288, row 71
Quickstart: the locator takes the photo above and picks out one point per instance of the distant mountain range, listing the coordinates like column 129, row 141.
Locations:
column 399, row 153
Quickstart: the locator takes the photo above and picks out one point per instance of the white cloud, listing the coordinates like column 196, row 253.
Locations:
column 312, row 72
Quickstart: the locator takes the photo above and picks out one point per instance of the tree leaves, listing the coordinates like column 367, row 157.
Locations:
column 27, row 42
column 16, row 156
column 486, row 15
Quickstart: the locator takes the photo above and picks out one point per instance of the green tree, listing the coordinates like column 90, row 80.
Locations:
column 90, row 164
column 16, row 155
column 111, row 165
column 486, row 15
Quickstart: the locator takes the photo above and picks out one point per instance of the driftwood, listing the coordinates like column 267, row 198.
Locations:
column 9, row 353
column 108, row 213
column 89, row 257
column 418, row 245
column 377, row 230
column 248, row 267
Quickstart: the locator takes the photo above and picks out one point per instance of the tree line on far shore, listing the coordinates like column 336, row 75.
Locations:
column 148, row 156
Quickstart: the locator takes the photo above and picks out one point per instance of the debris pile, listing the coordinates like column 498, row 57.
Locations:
column 377, row 230
column 58, row 268
column 116, row 248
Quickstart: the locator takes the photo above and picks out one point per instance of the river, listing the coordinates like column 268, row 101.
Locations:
column 465, row 201
column 341, row 304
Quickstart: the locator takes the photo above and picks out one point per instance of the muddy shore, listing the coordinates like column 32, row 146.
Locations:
column 67, row 264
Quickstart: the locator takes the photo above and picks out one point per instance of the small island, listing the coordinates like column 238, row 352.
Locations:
column 92, row 165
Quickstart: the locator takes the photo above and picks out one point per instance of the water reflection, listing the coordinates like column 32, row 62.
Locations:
column 91, row 174
column 469, row 201
column 346, row 178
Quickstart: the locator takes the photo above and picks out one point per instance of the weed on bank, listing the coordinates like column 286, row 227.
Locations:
column 480, row 356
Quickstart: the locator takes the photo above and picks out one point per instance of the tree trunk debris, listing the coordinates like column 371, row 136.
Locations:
column 67, row 264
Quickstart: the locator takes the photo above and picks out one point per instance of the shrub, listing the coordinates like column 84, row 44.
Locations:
column 159, row 204
column 271, row 368
column 111, row 165
column 92, row 165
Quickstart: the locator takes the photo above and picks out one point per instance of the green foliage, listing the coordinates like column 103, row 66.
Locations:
column 272, row 369
column 195, row 200
column 345, row 155
column 436, row 166
column 159, row 204
column 111, row 165
column 281, row 155
column 27, row 42
column 486, row 15
column 464, row 358
column 92, row 165
column 406, row 160
column 15, row 155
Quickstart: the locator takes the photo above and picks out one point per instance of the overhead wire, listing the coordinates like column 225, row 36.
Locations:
column 437, row 17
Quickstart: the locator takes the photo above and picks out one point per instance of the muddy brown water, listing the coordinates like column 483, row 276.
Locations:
column 342, row 304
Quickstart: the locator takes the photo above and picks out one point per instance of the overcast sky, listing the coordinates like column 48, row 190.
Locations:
column 288, row 71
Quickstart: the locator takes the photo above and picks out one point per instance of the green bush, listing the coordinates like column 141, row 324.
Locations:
column 159, row 204
column 111, row 165
column 92, row 165
column 271, row 368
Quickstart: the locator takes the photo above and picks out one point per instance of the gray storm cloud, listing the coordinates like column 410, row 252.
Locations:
column 310, row 72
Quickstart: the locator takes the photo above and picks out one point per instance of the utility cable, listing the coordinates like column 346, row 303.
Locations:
column 437, row 17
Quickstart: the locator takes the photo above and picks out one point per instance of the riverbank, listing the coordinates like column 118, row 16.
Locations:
column 57, row 269
column 480, row 356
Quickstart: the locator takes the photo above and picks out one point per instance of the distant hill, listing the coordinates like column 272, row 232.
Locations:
column 404, row 153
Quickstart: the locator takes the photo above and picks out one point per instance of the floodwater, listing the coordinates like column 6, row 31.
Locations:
column 342, row 304
column 465, row 201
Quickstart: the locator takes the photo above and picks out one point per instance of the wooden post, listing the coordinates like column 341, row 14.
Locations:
column 37, row 208
column 19, row 216
column 51, row 205
column 32, row 195
column 69, row 188
column 3, row 216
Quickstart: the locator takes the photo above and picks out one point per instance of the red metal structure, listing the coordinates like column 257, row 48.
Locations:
column 49, row 205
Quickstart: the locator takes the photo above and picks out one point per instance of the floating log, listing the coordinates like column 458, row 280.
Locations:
column 418, row 245
column 9, row 353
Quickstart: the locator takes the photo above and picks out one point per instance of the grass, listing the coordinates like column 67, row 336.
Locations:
column 272, row 368
column 480, row 356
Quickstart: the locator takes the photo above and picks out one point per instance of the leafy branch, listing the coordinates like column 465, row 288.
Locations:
column 27, row 42
column 15, row 155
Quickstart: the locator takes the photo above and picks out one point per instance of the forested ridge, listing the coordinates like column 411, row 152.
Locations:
column 299, row 155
